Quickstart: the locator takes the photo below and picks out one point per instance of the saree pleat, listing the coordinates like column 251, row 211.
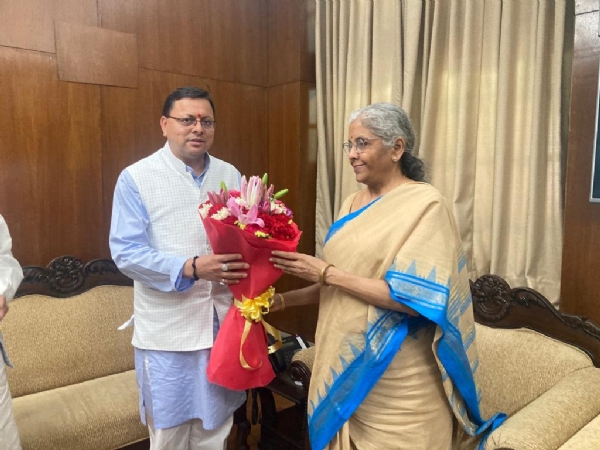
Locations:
column 410, row 389
column 383, row 379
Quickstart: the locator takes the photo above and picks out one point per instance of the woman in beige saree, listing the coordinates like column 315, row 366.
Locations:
column 396, row 359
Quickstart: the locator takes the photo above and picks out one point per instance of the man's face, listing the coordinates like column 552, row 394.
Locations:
column 189, row 143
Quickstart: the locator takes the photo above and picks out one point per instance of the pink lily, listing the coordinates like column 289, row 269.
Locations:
column 245, row 219
column 265, row 204
column 252, row 191
column 217, row 198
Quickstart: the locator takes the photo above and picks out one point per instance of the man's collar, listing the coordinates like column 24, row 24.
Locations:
column 182, row 167
column 206, row 166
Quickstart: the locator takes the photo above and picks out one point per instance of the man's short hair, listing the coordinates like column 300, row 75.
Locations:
column 186, row 92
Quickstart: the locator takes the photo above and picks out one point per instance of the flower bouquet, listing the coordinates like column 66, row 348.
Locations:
column 252, row 222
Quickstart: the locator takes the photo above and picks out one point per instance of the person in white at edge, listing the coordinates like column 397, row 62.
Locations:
column 180, row 287
column 10, row 277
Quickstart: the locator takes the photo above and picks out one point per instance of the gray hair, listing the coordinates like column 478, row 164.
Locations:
column 388, row 122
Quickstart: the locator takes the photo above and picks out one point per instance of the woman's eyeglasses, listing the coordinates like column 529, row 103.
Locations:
column 207, row 124
column 360, row 144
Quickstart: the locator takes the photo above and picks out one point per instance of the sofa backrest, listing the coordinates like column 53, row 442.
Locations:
column 519, row 365
column 56, row 342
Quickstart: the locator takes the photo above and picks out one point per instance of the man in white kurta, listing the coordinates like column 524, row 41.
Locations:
column 10, row 278
column 180, row 287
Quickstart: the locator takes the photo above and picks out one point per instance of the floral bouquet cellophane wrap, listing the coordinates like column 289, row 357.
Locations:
column 252, row 222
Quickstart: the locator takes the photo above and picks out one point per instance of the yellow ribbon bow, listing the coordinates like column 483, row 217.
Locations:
column 253, row 310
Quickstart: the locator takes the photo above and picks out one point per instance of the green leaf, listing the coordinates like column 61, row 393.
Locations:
column 223, row 186
column 265, row 178
column 281, row 193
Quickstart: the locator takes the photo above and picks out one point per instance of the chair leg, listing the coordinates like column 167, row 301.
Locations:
column 243, row 428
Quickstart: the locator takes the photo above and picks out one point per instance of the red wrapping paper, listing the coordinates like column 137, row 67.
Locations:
column 224, row 367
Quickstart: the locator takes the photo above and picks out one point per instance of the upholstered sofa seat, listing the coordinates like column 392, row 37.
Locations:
column 100, row 413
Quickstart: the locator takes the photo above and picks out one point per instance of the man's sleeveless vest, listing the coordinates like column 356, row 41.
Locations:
column 177, row 321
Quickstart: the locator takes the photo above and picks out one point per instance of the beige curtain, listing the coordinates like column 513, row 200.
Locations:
column 483, row 82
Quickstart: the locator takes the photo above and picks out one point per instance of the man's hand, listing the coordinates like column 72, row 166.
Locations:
column 3, row 307
column 210, row 267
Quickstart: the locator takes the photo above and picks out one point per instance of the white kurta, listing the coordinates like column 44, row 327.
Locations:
column 10, row 278
column 157, row 199
column 10, row 270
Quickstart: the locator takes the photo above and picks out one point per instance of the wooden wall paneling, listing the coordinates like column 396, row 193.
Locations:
column 219, row 39
column 50, row 182
column 241, row 133
column 580, row 292
column 292, row 165
column 95, row 55
column 284, row 41
column 291, row 41
column 172, row 35
column 308, row 70
column 252, row 43
column 28, row 24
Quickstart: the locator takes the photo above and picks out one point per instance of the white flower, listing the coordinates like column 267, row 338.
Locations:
column 222, row 214
column 277, row 208
column 204, row 210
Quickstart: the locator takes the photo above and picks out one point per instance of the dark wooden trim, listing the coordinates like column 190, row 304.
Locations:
column 243, row 426
column 141, row 445
column 496, row 305
column 300, row 372
column 67, row 276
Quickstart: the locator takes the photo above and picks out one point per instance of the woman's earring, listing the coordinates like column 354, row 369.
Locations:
column 395, row 159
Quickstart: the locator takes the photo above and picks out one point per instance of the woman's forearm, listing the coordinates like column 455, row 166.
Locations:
column 310, row 268
column 375, row 292
column 298, row 297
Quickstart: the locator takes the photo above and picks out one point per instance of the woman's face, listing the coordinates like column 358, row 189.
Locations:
column 373, row 164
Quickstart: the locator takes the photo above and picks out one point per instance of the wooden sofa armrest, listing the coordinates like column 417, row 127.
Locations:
column 301, row 373
column 496, row 305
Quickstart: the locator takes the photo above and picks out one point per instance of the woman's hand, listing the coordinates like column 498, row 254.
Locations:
column 298, row 264
column 375, row 292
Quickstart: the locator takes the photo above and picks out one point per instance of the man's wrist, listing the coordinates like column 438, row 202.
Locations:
column 194, row 273
column 182, row 279
column 188, row 270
